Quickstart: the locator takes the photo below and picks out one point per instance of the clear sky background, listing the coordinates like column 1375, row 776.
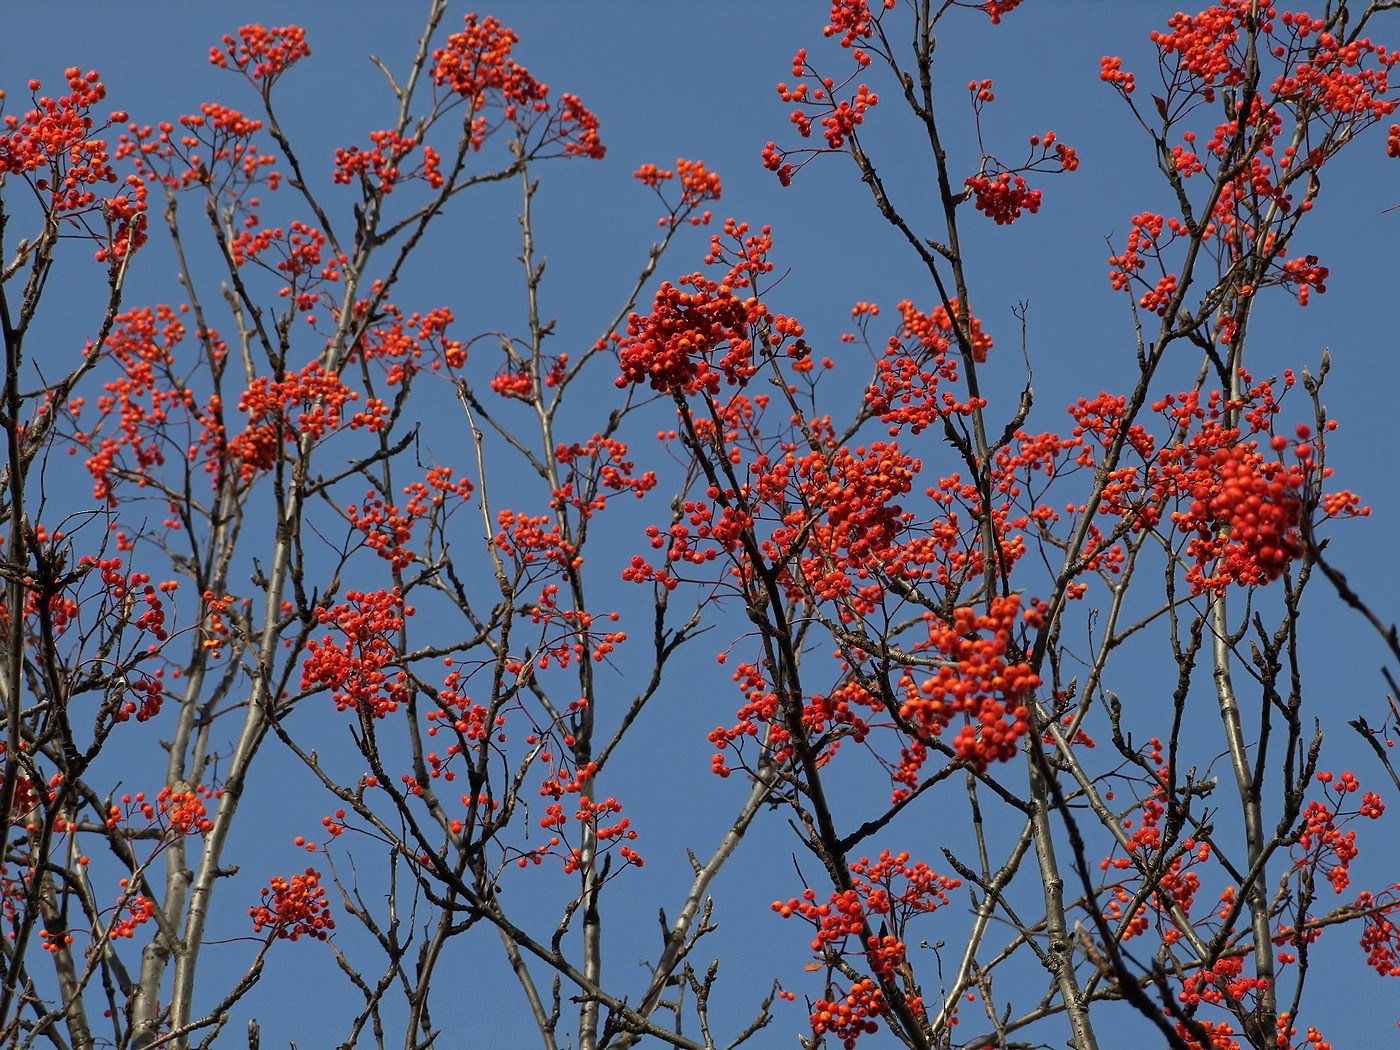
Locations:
column 675, row 80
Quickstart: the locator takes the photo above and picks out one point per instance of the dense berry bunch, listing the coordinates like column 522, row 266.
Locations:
column 852, row 19
column 477, row 66
column 294, row 907
column 380, row 168
column 53, row 148
column 477, row 60
column 673, row 348
column 262, row 54
column 1004, row 198
column 354, row 668
column 978, row 681
column 1244, row 512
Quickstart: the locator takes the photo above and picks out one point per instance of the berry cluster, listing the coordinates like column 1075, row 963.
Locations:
column 1244, row 510
column 355, row 669
column 672, row 348
column 698, row 185
column 977, row 681
column 262, row 54
column 53, row 148
column 476, row 65
column 379, row 169
column 321, row 396
column 1004, row 198
column 294, row 907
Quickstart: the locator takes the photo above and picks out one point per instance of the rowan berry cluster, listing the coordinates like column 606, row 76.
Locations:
column 1066, row 157
column 599, row 464
column 224, row 126
column 1219, row 1035
column 843, row 118
column 639, row 570
column 1242, row 509
column 299, row 256
column 589, row 811
column 1207, row 45
column 184, row 811
column 321, row 396
column 295, row 907
column 837, row 921
column 53, row 149
column 1329, row 75
column 905, row 391
column 840, row 117
column 1002, row 194
column 215, row 624
column 1305, row 276
column 514, row 381
column 1244, row 512
column 531, row 538
column 477, row 66
column 746, row 256
column 386, row 528
column 355, row 668
column 1322, row 845
column 760, row 709
column 1312, row 1039
column 434, row 489
column 937, row 330
column 123, row 600
column 55, row 135
column 53, row 942
column 1175, row 882
column 997, row 8
column 976, row 681
column 564, row 781
column 229, row 157
column 379, row 169
column 835, row 717
column 477, row 60
column 576, row 128
column 1223, row 981
column 674, row 348
column 25, row 802
column 399, row 342
column 141, row 403
column 698, row 185
column 1380, row 936
column 853, row 19
column 850, row 1016
column 1336, row 86
column 1145, row 238
column 455, row 711
column 578, row 637
column 139, row 908
column 151, row 691
column 262, row 54
column 853, row 521
column 1112, row 72
column 125, row 215
column 899, row 889
column 1004, row 198
column 174, row 813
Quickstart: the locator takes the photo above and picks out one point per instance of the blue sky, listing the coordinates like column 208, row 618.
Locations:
column 696, row 80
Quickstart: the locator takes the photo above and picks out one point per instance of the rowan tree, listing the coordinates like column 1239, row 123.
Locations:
column 1020, row 716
